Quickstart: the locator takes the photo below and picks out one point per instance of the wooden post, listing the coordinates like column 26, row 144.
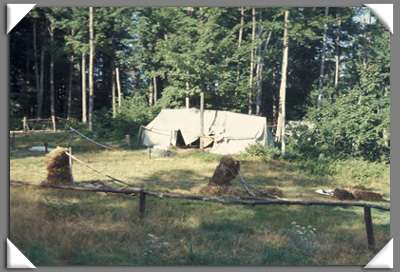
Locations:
column 150, row 153
column 24, row 126
column 70, row 140
column 45, row 147
column 53, row 120
column 70, row 166
column 369, row 228
column 13, row 141
column 128, row 140
column 142, row 204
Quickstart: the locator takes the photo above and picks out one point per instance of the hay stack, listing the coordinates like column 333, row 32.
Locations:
column 342, row 194
column 225, row 172
column 57, row 165
column 364, row 195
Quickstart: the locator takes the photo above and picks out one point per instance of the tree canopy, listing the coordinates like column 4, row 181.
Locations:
column 164, row 57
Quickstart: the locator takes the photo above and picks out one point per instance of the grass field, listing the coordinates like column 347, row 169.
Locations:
column 57, row 227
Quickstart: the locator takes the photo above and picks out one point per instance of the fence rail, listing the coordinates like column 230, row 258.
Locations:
column 142, row 202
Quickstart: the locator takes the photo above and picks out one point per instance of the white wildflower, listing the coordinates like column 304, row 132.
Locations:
column 297, row 226
column 302, row 227
column 293, row 223
column 151, row 235
column 309, row 227
column 314, row 229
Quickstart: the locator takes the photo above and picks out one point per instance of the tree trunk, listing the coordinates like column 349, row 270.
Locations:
column 321, row 74
column 260, row 65
column 239, row 44
column 150, row 91
column 259, row 69
column 337, row 57
column 253, row 34
column 113, row 88
column 202, row 119
column 83, row 71
column 36, row 66
column 41, row 91
column 70, row 81
column 119, row 89
column 281, row 129
column 52, row 89
column 187, row 98
column 155, row 89
column 91, row 59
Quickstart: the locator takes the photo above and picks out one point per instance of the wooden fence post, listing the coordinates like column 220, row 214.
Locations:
column 369, row 228
column 149, row 152
column 45, row 147
column 70, row 140
column 24, row 125
column 128, row 140
column 142, row 204
column 70, row 167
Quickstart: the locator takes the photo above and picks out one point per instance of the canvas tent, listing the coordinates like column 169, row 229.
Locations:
column 227, row 132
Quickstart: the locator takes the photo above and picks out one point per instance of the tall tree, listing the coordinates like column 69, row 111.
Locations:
column 337, row 56
column 70, row 81
column 52, row 89
column 253, row 34
column 321, row 75
column 91, row 67
column 281, row 128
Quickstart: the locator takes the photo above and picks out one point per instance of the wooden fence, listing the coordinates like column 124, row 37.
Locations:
column 142, row 202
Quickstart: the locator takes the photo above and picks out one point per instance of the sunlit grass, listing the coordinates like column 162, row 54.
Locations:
column 53, row 227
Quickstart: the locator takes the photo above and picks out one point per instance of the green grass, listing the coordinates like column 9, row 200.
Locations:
column 56, row 227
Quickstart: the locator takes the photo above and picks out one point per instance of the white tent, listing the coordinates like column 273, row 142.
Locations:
column 228, row 132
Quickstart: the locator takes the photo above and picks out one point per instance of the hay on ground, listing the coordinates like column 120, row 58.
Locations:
column 215, row 190
column 57, row 165
column 271, row 191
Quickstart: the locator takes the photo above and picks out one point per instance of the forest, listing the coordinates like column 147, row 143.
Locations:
column 113, row 69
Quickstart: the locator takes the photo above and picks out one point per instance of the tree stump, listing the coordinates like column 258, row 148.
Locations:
column 225, row 172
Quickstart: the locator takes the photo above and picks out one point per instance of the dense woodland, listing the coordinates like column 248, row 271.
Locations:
column 115, row 68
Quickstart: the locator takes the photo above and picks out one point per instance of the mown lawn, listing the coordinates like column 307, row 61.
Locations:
column 55, row 227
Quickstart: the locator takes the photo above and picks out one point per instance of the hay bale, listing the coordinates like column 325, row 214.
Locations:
column 57, row 165
column 342, row 194
column 225, row 172
column 364, row 195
